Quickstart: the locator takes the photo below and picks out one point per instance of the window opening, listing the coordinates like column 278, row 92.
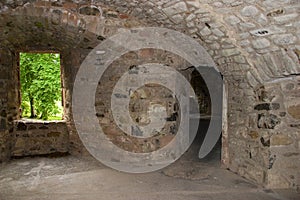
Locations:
column 41, row 91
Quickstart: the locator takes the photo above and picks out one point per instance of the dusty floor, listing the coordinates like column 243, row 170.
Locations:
column 84, row 178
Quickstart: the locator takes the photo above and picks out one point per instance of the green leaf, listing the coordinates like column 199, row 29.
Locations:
column 40, row 79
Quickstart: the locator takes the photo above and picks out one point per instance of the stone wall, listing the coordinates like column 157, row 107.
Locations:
column 9, row 100
column 143, row 99
column 240, row 97
column 278, row 125
column 253, row 43
column 5, row 62
column 32, row 137
column 264, row 132
column 264, row 138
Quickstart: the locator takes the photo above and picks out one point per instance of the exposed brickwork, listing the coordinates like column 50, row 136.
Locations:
column 38, row 138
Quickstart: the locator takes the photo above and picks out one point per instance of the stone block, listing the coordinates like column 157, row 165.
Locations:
column 268, row 121
column 261, row 43
column 249, row 11
column 253, row 134
column 20, row 143
column 205, row 31
column 230, row 52
column 245, row 43
column 245, row 26
column 262, row 19
column 218, row 32
column 284, row 39
column 56, row 16
column 286, row 18
column 267, row 106
column 277, row 181
column 281, row 139
column 294, row 111
column 175, row 9
column 239, row 59
column 54, row 134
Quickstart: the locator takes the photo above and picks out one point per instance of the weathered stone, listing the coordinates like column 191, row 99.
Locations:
column 280, row 139
column 295, row 125
column 245, row 43
column 233, row 20
column 272, row 160
column 230, row 52
column 246, row 26
column 267, row 106
column 20, row 143
column 192, row 29
column 282, row 114
column 294, row 111
column 253, row 135
column 53, row 134
column 249, row 11
column 262, row 19
column 264, row 142
column 284, row 39
column 261, row 43
column 43, row 127
column 32, row 140
column 118, row 95
column 177, row 18
column 228, row 1
column 251, row 79
column 218, row 32
column 205, row 31
column 286, row 18
column 31, row 127
column 237, row 3
column 190, row 17
column 267, row 121
column 175, row 9
column 291, row 154
column 239, row 59
column 218, row 4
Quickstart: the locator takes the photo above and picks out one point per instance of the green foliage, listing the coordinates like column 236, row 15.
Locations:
column 40, row 84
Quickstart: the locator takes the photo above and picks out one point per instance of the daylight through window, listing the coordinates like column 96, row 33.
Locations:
column 40, row 79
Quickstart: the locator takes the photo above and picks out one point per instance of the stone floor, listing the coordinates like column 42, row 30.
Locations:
column 84, row 178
